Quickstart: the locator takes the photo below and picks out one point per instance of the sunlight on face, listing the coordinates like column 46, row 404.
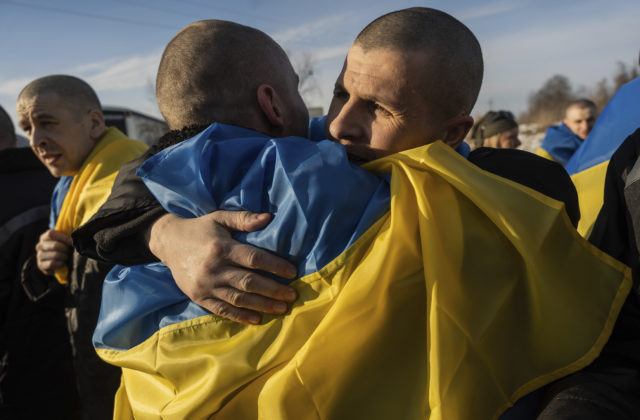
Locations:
column 580, row 120
column 59, row 136
column 378, row 105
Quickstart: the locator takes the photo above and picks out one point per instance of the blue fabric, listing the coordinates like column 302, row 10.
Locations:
column 317, row 129
column 619, row 118
column 321, row 204
column 561, row 143
column 464, row 149
column 57, row 198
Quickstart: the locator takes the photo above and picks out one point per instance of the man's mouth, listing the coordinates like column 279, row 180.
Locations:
column 358, row 154
column 356, row 160
column 51, row 158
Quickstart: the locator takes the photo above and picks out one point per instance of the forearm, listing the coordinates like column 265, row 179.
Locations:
column 118, row 232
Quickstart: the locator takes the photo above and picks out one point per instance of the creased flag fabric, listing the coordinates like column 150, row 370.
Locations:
column 91, row 186
column 559, row 144
column 588, row 166
column 447, row 292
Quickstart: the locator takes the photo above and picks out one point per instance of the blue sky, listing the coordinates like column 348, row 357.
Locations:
column 116, row 45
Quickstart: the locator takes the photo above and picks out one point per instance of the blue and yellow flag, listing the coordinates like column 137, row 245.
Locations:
column 91, row 186
column 588, row 166
column 431, row 290
column 559, row 144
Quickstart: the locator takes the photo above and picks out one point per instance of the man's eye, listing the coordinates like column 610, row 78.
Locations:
column 341, row 94
column 378, row 108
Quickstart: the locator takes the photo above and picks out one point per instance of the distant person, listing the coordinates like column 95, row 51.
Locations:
column 63, row 118
column 562, row 141
column 497, row 129
column 36, row 370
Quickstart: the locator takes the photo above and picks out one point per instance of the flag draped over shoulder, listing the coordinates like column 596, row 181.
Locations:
column 455, row 292
column 588, row 166
column 91, row 186
column 559, row 144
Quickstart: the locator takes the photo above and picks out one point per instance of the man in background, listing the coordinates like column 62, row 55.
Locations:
column 36, row 371
column 63, row 118
column 561, row 141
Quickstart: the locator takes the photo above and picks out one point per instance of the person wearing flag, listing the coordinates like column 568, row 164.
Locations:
column 561, row 141
column 63, row 118
column 382, row 278
column 588, row 165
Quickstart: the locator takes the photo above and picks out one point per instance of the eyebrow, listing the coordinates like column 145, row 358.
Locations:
column 39, row 115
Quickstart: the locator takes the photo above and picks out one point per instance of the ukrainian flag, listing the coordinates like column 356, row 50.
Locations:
column 90, row 187
column 588, row 166
column 430, row 290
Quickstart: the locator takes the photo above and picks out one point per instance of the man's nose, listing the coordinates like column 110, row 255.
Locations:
column 37, row 138
column 348, row 124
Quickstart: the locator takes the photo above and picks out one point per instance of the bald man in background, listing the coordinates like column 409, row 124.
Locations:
column 63, row 118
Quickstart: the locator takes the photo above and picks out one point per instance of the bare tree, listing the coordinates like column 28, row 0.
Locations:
column 624, row 74
column 547, row 105
column 601, row 93
column 304, row 64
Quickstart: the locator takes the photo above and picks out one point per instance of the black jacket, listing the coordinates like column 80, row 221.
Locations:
column 95, row 380
column 36, row 372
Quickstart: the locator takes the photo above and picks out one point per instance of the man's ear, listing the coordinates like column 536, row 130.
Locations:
column 271, row 105
column 97, row 125
column 456, row 130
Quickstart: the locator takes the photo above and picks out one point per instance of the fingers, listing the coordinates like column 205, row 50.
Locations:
column 244, row 221
column 48, row 262
column 225, row 310
column 243, row 307
column 57, row 236
column 52, row 251
column 259, row 259
column 49, row 258
column 249, row 282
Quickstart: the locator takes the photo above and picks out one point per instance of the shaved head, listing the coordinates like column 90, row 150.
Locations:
column 453, row 73
column 7, row 132
column 580, row 116
column 582, row 104
column 75, row 93
column 210, row 72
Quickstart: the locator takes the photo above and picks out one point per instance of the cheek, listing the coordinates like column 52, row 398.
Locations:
column 384, row 137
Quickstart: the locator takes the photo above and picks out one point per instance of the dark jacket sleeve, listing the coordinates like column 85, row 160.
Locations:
column 117, row 232
column 535, row 172
column 613, row 231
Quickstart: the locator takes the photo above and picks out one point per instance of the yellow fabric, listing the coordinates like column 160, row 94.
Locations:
column 590, row 186
column 92, row 184
column 543, row 153
column 471, row 292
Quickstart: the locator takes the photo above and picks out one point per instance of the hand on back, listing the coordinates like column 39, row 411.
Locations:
column 219, row 273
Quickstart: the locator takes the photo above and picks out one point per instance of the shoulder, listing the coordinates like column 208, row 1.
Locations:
column 533, row 171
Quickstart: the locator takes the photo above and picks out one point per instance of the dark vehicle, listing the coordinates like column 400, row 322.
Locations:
column 135, row 125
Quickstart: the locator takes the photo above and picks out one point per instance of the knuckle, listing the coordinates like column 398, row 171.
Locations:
column 235, row 297
column 246, row 282
column 217, row 250
column 222, row 310
column 253, row 257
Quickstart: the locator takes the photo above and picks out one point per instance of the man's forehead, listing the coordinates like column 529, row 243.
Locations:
column 577, row 113
column 384, row 73
column 40, row 103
